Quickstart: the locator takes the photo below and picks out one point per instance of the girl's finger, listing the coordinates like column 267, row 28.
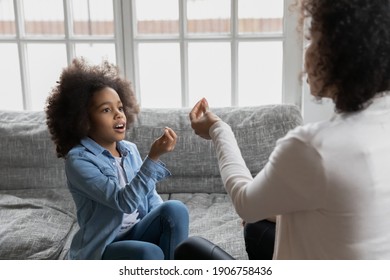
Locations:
column 165, row 137
column 171, row 132
column 168, row 137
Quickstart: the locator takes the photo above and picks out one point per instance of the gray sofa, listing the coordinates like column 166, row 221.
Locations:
column 37, row 213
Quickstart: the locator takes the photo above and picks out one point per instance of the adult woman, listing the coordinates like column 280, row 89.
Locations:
column 326, row 182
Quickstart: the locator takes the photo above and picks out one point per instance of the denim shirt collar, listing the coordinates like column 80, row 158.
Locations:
column 96, row 149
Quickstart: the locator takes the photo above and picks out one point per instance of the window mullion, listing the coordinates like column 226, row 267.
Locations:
column 183, row 53
column 119, row 35
column 234, row 53
column 292, row 57
column 22, row 51
column 68, row 19
column 129, row 45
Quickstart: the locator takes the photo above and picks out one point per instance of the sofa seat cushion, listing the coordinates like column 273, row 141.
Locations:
column 32, row 229
column 213, row 217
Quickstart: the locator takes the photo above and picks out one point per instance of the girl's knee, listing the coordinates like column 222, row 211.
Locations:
column 133, row 250
column 175, row 214
column 175, row 207
column 150, row 252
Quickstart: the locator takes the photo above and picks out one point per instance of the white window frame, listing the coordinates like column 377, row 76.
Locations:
column 127, row 51
column 292, row 50
column 22, row 40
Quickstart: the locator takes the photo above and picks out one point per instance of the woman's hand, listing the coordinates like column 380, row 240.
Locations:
column 164, row 144
column 202, row 119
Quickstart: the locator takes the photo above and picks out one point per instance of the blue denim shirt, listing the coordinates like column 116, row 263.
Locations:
column 92, row 178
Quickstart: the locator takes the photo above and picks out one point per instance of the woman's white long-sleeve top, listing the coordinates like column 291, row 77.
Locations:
column 328, row 182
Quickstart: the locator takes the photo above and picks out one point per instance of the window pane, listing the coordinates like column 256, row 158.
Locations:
column 260, row 73
column 96, row 52
column 45, row 63
column 7, row 18
column 205, row 16
column 49, row 22
column 11, row 89
column 260, row 16
column 209, row 73
column 157, row 16
column 93, row 17
column 159, row 70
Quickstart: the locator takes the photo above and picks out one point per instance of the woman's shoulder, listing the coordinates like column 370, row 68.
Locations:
column 313, row 134
column 308, row 130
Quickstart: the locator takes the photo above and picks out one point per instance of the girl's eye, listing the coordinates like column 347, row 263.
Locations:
column 120, row 109
column 106, row 110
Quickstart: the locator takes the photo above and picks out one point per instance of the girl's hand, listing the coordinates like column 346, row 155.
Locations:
column 164, row 144
column 202, row 119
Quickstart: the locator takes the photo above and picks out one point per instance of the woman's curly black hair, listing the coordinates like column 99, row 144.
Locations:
column 353, row 49
column 67, row 106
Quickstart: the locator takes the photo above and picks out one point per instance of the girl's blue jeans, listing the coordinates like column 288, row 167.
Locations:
column 155, row 237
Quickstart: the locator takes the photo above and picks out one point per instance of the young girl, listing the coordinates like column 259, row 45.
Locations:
column 119, row 212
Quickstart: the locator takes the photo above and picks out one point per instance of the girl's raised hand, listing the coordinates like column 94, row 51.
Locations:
column 164, row 144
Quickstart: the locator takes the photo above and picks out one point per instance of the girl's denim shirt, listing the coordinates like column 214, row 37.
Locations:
column 92, row 178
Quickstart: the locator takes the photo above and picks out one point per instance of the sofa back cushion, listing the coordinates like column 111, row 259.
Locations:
column 27, row 154
column 193, row 162
column 28, row 159
column 36, row 209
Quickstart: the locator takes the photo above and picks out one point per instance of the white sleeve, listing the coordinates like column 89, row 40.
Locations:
column 292, row 180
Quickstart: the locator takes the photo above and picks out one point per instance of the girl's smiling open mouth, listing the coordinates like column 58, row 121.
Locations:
column 120, row 127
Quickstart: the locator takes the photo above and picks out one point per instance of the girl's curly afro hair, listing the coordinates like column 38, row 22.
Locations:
column 68, row 104
column 353, row 48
